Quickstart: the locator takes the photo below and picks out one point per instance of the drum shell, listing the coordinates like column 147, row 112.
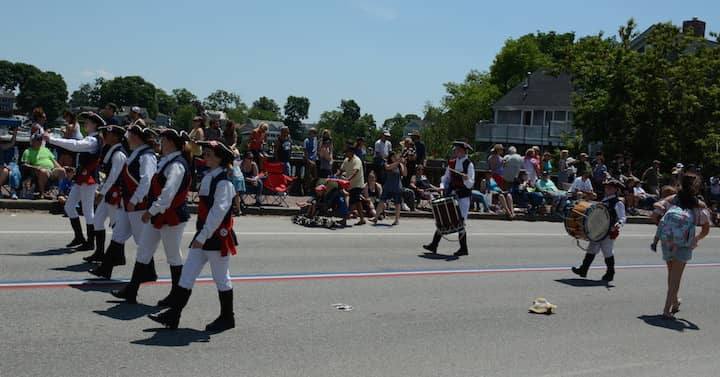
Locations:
column 446, row 212
column 576, row 221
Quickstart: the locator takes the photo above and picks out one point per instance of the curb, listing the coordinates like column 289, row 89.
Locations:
column 54, row 207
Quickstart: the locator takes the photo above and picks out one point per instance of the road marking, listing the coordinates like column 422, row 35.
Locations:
column 42, row 284
column 389, row 233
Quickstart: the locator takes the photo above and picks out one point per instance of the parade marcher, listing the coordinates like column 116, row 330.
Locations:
column 214, row 242
column 459, row 179
column 111, row 164
column 166, row 217
column 138, row 170
column 83, row 191
column 607, row 245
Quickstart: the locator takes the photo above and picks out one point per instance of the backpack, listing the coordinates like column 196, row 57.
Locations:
column 677, row 228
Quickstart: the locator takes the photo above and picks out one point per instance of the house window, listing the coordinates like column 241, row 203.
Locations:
column 571, row 116
column 559, row 116
column 538, row 118
column 508, row 117
column 527, row 118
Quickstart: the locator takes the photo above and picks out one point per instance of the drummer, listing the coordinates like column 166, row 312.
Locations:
column 607, row 245
column 458, row 180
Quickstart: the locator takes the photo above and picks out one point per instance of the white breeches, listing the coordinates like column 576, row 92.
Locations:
column 607, row 246
column 219, row 266
column 85, row 195
column 104, row 212
column 464, row 204
column 127, row 224
column 171, row 237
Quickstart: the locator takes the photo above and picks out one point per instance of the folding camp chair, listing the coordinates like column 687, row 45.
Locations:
column 277, row 183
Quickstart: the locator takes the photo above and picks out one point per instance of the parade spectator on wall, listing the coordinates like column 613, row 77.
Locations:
column 325, row 158
column 547, row 187
column 381, row 150
column 582, row 188
column 310, row 158
column 563, row 175
column 531, row 166
column 196, row 134
column 419, row 148
column 258, row 138
column 213, row 131
column 524, row 195
column 9, row 169
column 360, row 148
column 504, row 198
column 283, row 148
column 651, row 178
column 372, row 190
column 40, row 162
column 497, row 164
column 513, row 163
column 352, row 170
column 583, row 165
column 229, row 136
column 108, row 114
column 251, row 174
column 600, row 174
column 409, row 155
column 547, row 162
column 392, row 188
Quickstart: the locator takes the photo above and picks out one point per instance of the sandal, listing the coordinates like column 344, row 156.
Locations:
column 396, row 222
column 668, row 316
column 675, row 308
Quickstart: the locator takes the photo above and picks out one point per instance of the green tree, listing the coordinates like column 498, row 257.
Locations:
column 46, row 89
column 265, row 108
column 515, row 60
column 23, row 72
column 183, row 117
column 87, row 94
column 129, row 91
column 167, row 104
column 467, row 103
column 222, row 100
column 183, row 97
column 7, row 75
column 296, row 110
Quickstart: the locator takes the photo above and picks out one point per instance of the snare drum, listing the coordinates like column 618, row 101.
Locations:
column 446, row 212
column 588, row 221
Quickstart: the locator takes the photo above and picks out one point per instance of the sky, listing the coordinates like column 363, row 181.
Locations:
column 389, row 56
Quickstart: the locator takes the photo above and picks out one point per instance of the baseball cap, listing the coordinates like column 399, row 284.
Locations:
column 135, row 109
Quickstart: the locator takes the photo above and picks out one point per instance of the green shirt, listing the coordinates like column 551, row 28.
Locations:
column 546, row 186
column 41, row 157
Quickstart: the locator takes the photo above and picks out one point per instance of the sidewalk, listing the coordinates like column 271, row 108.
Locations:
column 268, row 210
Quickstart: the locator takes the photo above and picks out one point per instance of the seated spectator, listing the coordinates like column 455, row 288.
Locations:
column 636, row 197
column 64, row 186
column 525, row 195
column 714, row 196
column 371, row 194
column 582, row 188
column 547, row 187
column 504, row 198
column 422, row 187
column 480, row 197
column 9, row 170
column 238, row 180
column 253, row 181
column 40, row 162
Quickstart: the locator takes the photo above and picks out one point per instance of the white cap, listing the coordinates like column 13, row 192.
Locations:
column 679, row 165
column 135, row 109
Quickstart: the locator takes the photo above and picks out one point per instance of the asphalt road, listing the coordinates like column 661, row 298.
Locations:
column 412, row 315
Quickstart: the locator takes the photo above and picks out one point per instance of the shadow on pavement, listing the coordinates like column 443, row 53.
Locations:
column 677, row 324
column 173, row 338
column 98, row 285
column 127, row 312
column 51, row 252
column 435, row 256
column 80, row 267
column 585, row 283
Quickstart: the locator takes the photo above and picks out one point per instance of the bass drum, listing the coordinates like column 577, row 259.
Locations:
column 446, row 212
column 589, row 221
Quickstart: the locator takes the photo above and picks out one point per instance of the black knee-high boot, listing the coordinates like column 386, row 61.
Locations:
column 171, row 317
column 175, row 272
column 99, row 253
column 583, row 269
column 114, row 256
column 463, row 245
column 226, row 320
column 140, row 274
column 90, row 243
column 77, row 229
column 610, row 273
column 432, row 247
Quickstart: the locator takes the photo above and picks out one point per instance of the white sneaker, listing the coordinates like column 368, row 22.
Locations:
column 405, row 207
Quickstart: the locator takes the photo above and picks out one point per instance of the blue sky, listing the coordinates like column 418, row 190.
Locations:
column 390, row 56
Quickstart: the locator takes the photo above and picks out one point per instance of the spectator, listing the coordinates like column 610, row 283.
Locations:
column 504, row 198
column 9, row 169
column 651, row 178
column 371, row 194
column 196, row 134
column 496, row 164
column 419, row 148
column 640, row 198
column 627, row 170
column 676, row 174
column 310, row 155
column 253, row 181
column 213, row 131
column 39, row 121
column 571, row 169
column 135, row 117
column 257, row 141
column 382, row 149
column 600, row 174
column 547, row 162
column 41, row 163
column 229, row 136
column 558, row 197
column 72, row 128
column 617, row 166
column 283, row 148
column 583, row 165
column 582, row 188
column 65, row 185
column 714, row 190
column 513, row 163
column 563, row 172
column 531, row 166
column 392, row 188
column 325, row 156
column 360, row 148
column 525, row 196
column 422, row 187
column 108, row 114
column 352, row 170
column 409, row 155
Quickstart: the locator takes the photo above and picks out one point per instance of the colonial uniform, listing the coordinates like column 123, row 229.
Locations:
column 607, row 245
column 137, row 173
column 460, row 185
column 86, row 177
column 111, row 164
column 170, row 213
column 215, row 233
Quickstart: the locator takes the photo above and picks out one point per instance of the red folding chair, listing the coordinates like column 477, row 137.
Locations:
column 277, row 183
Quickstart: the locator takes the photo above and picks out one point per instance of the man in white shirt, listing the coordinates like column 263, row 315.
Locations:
column 382, row 147
column 582, row 187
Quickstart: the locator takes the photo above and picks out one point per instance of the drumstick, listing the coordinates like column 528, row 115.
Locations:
column 457, row 172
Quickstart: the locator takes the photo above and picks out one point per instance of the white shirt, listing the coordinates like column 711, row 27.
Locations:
column 468, row 181
column 581, row 185
column 148, row 167
column 382, row 149
column 118, row 161
column 223, row 197
column 77, row 135
column 619, row 209
column 174, row 175
column 87, row 144
column 513, row 164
